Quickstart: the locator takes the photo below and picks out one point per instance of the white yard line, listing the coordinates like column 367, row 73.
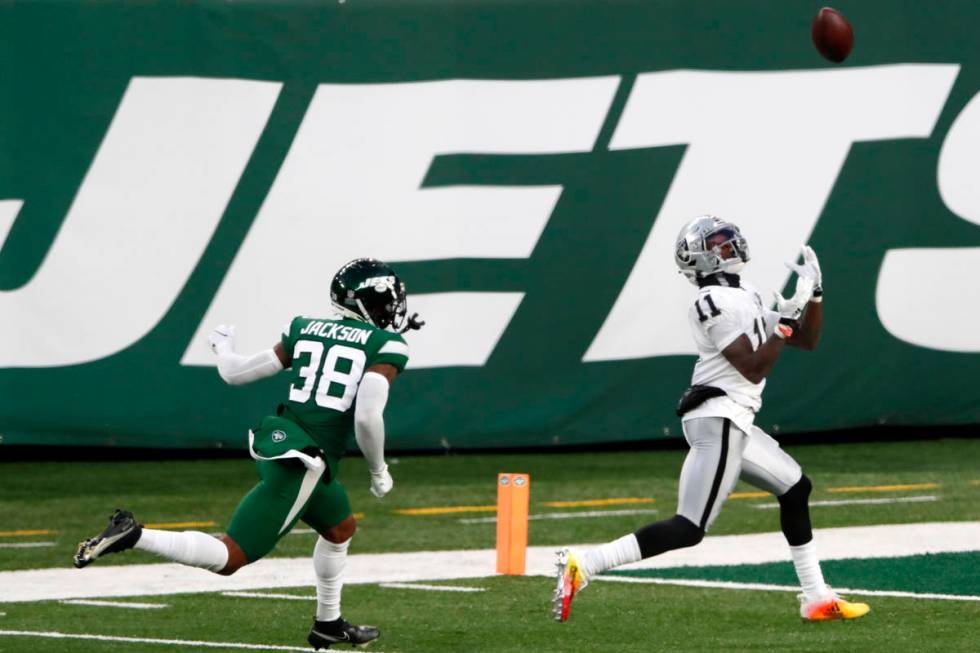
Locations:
column 885, row 541
column 116, row 604
column 853, row 502
column 724, row 584
column 265, row 595
column 566, row 515
column 148, row 640
column 24, row 545
column 432, row 588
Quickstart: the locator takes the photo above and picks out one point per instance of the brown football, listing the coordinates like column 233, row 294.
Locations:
column 832, row 35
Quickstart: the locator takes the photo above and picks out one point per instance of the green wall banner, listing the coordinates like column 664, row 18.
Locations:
column 525, row 167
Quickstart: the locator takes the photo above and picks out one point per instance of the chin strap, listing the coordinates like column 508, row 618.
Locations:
column 719, row 279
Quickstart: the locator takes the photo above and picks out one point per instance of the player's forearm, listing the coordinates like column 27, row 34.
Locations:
column 763, row 360
column 369, row 426
column 236, row 369
column 808, row 334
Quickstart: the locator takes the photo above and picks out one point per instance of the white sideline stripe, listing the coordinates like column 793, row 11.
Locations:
column 883, row 541
column 724, row 584
column 24, row 545
column 148, row 640
column 852, row 502
column 432, row 588
column 116, row 604
column 566, row 515
column 264, row 595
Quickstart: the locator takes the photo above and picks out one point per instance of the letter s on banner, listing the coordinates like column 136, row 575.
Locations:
column 922, row 292
column 350, row 187
column 142, row 217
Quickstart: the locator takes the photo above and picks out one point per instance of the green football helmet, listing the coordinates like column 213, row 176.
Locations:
column 368, row 290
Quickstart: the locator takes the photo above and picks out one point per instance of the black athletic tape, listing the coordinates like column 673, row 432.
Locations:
column 794, row 513
column 675, row 533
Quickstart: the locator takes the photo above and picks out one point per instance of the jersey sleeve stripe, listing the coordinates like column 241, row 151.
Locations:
column 394, row 347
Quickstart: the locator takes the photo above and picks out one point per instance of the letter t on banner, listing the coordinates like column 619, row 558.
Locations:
column 513, row 496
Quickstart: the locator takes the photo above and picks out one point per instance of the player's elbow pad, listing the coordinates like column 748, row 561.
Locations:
column 239, row 370
column 372, row 395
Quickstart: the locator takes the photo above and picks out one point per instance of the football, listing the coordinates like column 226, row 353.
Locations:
column 832, row 35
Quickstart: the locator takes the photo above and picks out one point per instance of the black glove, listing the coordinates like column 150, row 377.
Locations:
column 413, row 323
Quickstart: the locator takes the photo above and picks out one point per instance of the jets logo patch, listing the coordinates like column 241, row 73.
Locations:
column 278, row 436
column 380, row 284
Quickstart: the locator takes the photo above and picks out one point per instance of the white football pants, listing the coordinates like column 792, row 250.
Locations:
column 720, row 454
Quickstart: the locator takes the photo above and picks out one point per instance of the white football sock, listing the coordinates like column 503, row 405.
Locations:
column 188, row 547
column 808, row 571
column 612, row 554
column 329, row 560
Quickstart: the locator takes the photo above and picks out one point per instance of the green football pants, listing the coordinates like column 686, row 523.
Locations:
column 287, row 492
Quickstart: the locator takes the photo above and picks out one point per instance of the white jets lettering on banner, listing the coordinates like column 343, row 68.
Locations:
column 927, row 296
column 763, row 149
column 142, row 217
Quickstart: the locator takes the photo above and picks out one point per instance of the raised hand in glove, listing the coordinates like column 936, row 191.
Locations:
column 222, row 339
column 810, row 269
column 381, row 482
column 791, row 310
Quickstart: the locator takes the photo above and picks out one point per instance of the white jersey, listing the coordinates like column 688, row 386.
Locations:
column 718, row 316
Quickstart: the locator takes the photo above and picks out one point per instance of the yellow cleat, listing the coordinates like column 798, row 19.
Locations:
column 831, row 608
column 571, row 580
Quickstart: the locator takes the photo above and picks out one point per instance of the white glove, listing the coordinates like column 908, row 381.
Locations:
column 809, row 269
column 381, row 482
column 791, row 310
column 222, row 339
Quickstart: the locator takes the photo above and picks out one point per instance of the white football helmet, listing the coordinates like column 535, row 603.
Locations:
column 708, row 245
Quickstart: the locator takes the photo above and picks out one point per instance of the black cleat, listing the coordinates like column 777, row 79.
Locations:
column 122, row 533
column 325, row 633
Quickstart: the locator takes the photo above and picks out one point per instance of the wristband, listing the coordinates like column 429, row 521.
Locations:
column 785, row 328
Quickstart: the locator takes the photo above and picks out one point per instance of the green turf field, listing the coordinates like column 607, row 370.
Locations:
column 64, row 502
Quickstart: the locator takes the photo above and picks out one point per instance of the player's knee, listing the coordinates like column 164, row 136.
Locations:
column 236, row 558
column 675, row 533
column 798, row 495
column 688, row 533
column 342, row 531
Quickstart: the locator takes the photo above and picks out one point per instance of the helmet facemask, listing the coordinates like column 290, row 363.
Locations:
column 726, row 250
column 708, row 245
column 389, row 309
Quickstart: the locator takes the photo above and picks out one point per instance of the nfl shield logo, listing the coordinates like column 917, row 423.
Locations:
column 278, row 436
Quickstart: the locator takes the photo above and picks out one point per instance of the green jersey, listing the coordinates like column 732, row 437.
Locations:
column 329, row 358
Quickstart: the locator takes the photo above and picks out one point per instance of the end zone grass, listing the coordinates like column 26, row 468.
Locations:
column 74, row 499
column 513, row 616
